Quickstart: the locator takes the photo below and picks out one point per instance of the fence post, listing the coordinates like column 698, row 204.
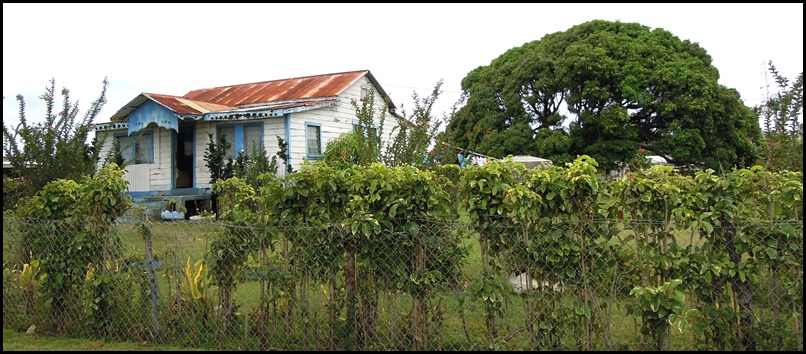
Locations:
column 152, row 279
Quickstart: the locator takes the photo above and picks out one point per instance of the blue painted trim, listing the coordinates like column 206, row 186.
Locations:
column 152, row 112
column 142, row 194
column 238, row 142
column 132, row 159
column 262, row 113
column 187, row 191
column 287, row 140
column 238, row 139
column 172, row 193
column 319, row 126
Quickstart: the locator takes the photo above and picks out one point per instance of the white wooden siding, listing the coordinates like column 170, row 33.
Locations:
column 161, row 173
column 335, row 121
column 144, row 177
column 138, row 177
column 272, row 128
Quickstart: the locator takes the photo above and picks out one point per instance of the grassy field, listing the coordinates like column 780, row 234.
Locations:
column 176, row 242
column 19, row 341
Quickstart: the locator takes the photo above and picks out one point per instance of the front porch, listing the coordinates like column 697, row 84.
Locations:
column 193, row 199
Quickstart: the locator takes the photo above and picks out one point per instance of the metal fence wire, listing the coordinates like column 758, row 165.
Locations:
column 410, row 285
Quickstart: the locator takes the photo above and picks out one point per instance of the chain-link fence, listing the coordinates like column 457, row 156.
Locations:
column 410, row 285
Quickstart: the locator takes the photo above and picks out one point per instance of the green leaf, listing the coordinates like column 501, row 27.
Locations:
column 672, row 318
column 679, row 295
column 708, row 227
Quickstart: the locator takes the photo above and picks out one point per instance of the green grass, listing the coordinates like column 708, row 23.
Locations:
column 19, row 341
column 174, row 243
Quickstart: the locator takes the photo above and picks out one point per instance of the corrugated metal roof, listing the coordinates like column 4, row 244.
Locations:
column 285, row 105
column 318, row 86
column 308, row 91
column 183, row 105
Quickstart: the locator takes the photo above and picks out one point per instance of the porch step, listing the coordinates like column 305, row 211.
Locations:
column 154, row 205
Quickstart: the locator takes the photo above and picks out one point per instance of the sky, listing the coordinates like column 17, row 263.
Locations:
column 175, row 48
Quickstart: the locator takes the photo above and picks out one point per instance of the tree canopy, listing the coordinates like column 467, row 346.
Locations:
column 605, row 89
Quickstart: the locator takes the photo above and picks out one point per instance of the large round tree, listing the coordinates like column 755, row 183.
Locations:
column 605, row 89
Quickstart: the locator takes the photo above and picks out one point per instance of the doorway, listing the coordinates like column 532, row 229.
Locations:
column 185, row 156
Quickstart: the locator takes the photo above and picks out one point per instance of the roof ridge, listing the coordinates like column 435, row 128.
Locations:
column 265, row 81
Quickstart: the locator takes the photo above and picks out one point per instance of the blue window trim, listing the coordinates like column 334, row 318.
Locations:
column 239, row 134
column 132, row 159
column 319, row 126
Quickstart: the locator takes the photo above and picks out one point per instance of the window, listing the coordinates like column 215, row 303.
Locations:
column 313, row 139
column 229, row 134
column 138, row 148
column 241, row 137
column 252, row 136
column 364, row 92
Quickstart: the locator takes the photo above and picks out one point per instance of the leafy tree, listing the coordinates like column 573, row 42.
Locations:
column 605, row 89
column 344, row 151
column 416, row 132
column 220, row 169
column 215, row 162
column 56, row 148
column 115, row 155
column 362, row 146
column 251, row 164
column 782, row 145
column 282, row 153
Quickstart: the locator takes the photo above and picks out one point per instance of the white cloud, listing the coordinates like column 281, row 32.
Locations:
column 174, row 48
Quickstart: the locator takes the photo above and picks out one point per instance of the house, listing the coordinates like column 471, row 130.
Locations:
column 624, row 168
column 532, row 161
column 7, row 167
column 164, row 137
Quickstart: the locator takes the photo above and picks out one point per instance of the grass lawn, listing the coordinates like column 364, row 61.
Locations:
column 19, row 341
column 174, row 243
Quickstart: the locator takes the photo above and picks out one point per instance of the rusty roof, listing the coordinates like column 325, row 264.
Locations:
column 308, row 87
column 183, row 105
column 285, row 105
column 276, row 94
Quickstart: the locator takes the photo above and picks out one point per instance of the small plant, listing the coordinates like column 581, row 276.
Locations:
column 659, row 308
column 195, row 287
column 175, row 205
column 28, row 279
column 205, row 214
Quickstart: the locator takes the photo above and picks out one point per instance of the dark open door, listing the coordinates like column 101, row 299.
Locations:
column 185, row 155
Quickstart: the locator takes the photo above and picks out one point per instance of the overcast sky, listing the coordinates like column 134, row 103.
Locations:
column 174, row 48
